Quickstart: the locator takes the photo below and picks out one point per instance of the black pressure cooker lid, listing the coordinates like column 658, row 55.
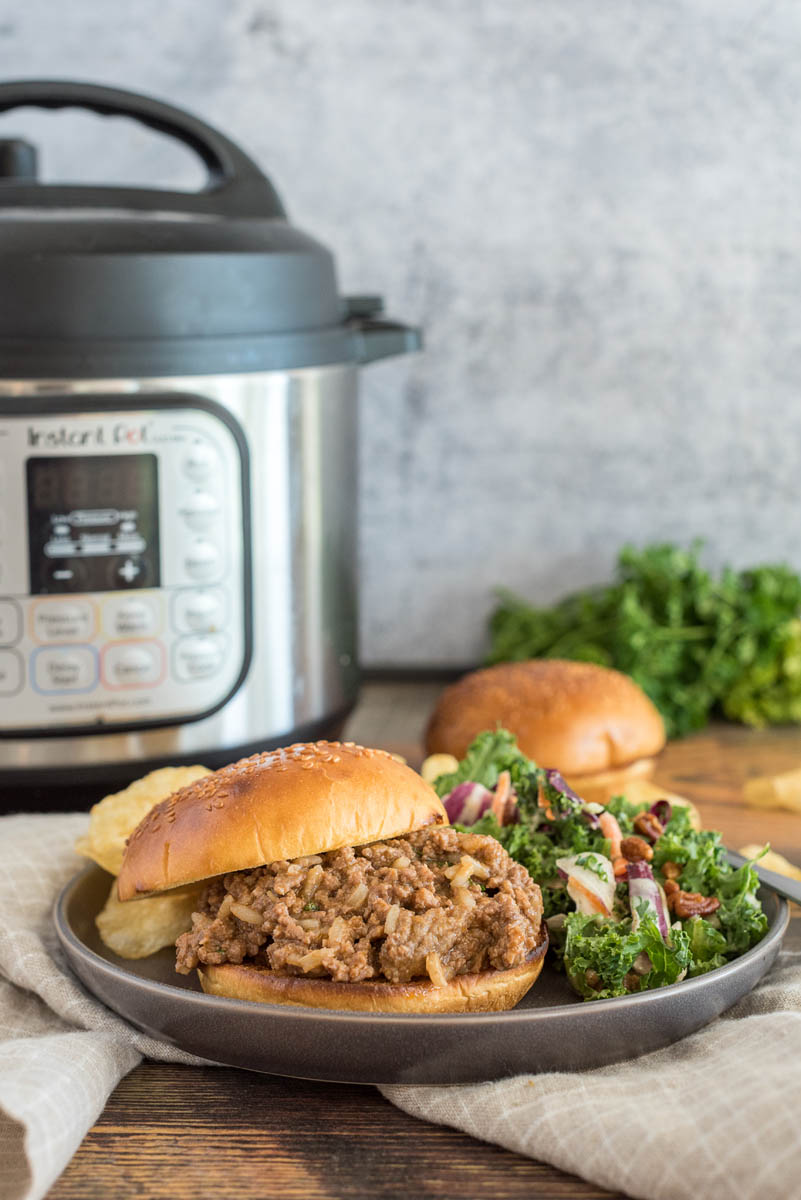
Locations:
column 111, row 282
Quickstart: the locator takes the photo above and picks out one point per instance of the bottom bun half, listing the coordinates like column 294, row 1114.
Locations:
column 487, row 991
column 600, row 787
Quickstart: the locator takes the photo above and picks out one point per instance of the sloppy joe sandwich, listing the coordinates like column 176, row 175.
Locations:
column 332, row 879
column 595, row 725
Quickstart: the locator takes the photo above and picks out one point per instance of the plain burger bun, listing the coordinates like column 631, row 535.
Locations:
column 487, row 991
column 578, row 717
column 282, row 804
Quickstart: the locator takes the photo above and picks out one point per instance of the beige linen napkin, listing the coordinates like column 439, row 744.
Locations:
column 717, row 1115
column 62, row 1053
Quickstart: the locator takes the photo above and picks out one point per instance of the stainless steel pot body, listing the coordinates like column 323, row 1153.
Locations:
column 286, row 642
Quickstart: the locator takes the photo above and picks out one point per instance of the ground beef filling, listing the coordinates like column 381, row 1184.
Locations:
column 433, row 904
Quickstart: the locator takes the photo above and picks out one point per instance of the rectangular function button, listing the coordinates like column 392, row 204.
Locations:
column 132, row 615
column 63, row 620
column 64, row 669
column 11, row 672
column 133, row 664
column 10, row 623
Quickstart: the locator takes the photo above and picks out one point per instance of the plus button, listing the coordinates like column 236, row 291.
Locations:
column 129, row 572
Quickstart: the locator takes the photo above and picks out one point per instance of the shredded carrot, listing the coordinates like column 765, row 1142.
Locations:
column 502, row 790
column 619, row 867
column 612, row 832
column 543, row 803
column 595, row 901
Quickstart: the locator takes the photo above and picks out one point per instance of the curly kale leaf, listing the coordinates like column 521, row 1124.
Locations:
column 700, row 854
column 488, row 755
column 706, row 869
column 600, row 953
column 707, row 945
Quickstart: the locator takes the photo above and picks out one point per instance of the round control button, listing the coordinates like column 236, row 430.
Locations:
column 197, row 657
column 132, row 665
column 202, row 560
column 199, row 510
column 129, row 572
column 200, row 462
column 64, row 670
column 65, row 575
column 198, row 612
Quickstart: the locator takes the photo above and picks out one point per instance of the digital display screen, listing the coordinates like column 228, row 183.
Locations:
column 58, row 485
column 93, row 523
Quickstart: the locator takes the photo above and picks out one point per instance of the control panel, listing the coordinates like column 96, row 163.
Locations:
column 124, row 565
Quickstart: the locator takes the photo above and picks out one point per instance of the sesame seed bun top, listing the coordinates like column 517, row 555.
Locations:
column 282, row 804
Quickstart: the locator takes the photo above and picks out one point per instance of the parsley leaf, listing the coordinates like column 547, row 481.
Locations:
column 695, row 642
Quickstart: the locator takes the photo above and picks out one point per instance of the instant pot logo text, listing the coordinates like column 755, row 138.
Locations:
column 70, row 437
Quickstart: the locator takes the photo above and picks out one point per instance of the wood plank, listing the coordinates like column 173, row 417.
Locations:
column 711, row 768
column 214, row 1132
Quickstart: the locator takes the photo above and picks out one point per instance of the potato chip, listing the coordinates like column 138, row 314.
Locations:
column 771, row 861
column 84, row 846
column 436, row 765
column 141, row 927
column 775, row 791
column 113, row 820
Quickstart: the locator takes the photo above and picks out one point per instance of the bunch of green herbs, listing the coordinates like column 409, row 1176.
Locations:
column 697, row 643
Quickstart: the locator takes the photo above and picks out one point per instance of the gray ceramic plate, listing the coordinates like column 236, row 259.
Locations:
column 550, row 1030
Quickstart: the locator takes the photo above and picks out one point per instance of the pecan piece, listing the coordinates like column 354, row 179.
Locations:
column 689, row 904
column 635, row 849
column 648, row 826
column 671, row 870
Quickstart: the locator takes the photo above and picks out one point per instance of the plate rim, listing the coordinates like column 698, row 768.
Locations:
column 553, row 1012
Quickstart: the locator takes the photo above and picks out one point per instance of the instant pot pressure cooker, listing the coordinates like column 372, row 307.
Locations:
column 178, row 385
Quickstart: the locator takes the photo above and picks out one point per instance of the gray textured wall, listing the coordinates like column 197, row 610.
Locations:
column 594, row 210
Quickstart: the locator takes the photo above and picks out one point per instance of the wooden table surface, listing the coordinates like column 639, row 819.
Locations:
column 214, row 1133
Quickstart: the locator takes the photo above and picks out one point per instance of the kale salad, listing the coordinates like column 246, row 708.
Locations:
column 634, row 896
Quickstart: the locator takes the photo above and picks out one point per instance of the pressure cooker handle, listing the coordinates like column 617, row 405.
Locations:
column 373, row 336
column 235, row 185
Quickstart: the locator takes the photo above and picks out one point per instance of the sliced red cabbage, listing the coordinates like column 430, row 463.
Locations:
column 643, row 887
column 569, row 801
column 662, row 810
column 558, row 781
column 467, row 802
